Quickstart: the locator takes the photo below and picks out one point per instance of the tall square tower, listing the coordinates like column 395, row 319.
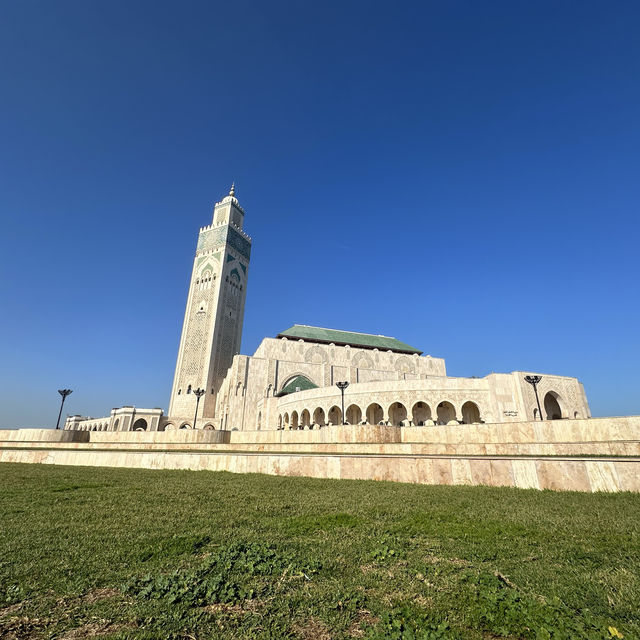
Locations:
column 212, row 329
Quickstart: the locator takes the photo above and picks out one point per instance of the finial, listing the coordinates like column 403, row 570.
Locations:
column 232, row 191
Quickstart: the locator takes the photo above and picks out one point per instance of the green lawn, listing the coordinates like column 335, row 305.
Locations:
column 118, row 553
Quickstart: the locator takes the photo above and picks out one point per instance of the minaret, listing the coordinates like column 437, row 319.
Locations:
column 212, row 327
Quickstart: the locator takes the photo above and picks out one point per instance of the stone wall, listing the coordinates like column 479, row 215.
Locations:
column 601, row 454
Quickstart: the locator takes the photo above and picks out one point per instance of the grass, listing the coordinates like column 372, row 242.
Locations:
column 118, row 553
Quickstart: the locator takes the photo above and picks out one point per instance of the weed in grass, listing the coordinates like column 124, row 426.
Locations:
column 229, row 575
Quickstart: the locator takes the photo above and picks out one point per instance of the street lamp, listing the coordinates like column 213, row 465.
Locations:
column 342, row 386
column 533, row 381
column 199, row 393
column 64, row 393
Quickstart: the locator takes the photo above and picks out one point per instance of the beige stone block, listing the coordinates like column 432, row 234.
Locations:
column 569, row 475
column 501, row 473
column 480, row 472
column 602, row 476
column 461, row 471
column 525, row 474
column 628, row 474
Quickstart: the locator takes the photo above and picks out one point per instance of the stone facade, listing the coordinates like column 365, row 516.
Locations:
column 395, row 386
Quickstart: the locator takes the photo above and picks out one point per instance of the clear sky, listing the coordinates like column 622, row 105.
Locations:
column 463, row 176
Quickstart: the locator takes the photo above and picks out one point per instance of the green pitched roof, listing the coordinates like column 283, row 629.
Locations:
column 299, row 383
column 362, row 340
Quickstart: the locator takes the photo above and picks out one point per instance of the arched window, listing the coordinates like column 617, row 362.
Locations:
column 421, row 413
column 470, row 413
column 446, row 412
column 397, row 414
column 552, row 406
column 140, row 425
column 335, row 415
column 374, row 414
column 189, row 389
column 354, row 414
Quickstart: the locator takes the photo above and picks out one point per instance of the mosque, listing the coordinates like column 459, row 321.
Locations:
column 313, row 377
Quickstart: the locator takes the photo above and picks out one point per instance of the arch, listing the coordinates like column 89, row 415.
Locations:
column 115, row 424
column 318, row 416
column 185, row 425
column 296, row 382
column 470, row 413
column 397, row 413
column 552, row 406
column 140, row 425
column 362, row 361
column 94, row 428
column 208, row 427
column 285, row 421
column 354, row 414
column 445, row 412
column 280, row 421
column 169, row 426
column 315, row 355
column 189, row 389
column 576, row 415
column 536, row 415
column 294, row 419
column 305, row 418
column 403, row 364
column 374, row 413
column 421, row 412
column 335, row 415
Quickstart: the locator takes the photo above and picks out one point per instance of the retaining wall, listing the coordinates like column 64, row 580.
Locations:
column 542, row 455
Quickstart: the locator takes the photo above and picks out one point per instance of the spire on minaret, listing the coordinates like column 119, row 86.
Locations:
column 232, row 191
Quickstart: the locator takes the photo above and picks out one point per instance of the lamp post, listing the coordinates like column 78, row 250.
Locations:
column 342, row 386
column 64, row 393
column 533, row 381
column 199, row 393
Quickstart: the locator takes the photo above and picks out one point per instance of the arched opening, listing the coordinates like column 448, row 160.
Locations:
column 185, row 425
column 536, row 415
column 446, row 412
column 208, row 427
column 140, row 425
column 397, row 414
column 296, row 383
column 279, row 422
column 470, row 413
column 318, row 417
column 552, row 406
column 305, row 418
column 421, row 413
column 116, row 423
column 374, row 413
column 576, row 414
column 335, row 415
column 170, row 427
column 285, row 421
column 294, row 419
column 354, row 414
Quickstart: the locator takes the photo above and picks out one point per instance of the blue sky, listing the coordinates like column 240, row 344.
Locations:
column 460, row 175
